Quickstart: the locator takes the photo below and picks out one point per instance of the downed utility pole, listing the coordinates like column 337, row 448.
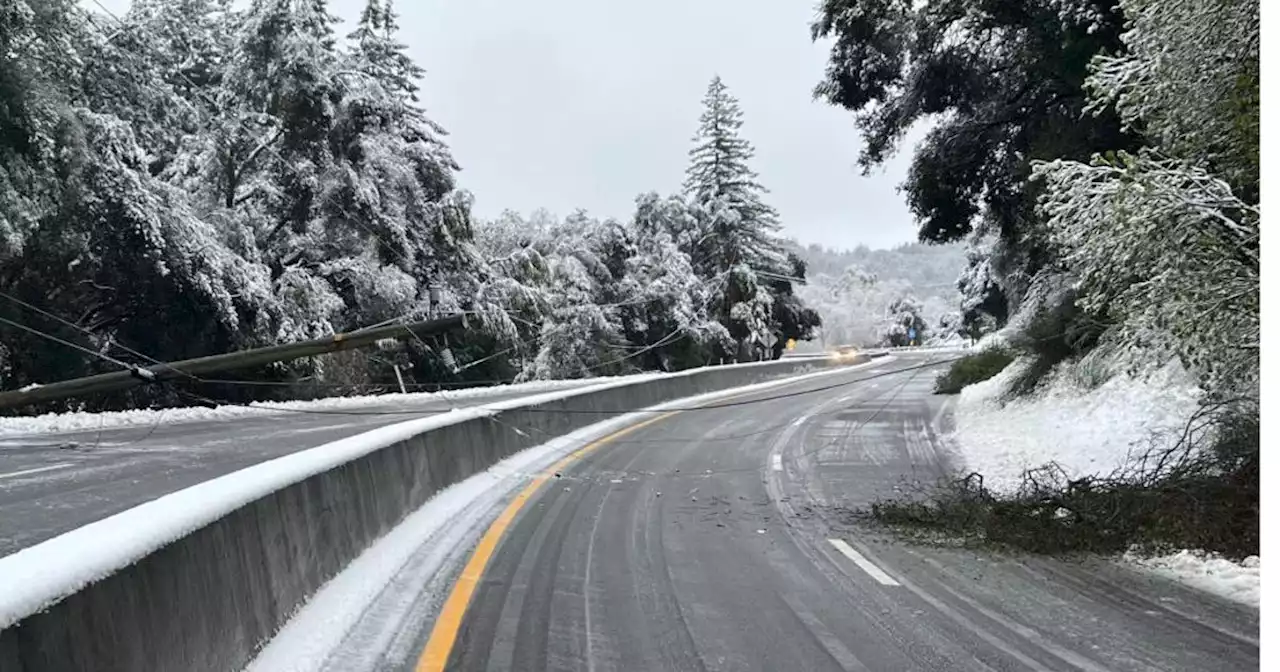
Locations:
column 193, row 368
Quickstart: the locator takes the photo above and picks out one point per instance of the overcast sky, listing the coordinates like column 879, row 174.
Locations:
column 567, row 104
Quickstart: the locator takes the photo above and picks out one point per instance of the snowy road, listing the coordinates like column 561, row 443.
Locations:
column 720, row 539
column 55, row 482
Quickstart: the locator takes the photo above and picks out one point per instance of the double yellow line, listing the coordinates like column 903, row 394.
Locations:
column 445, row 632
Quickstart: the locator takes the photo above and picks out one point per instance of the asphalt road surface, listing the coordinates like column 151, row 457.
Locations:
column 722, row 540
column 53, row 483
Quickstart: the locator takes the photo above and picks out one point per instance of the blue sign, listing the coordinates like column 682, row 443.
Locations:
column 911, row 333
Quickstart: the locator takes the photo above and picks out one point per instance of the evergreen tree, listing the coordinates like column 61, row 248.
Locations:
column 390, row 224
column 738, row 227
column 737, row 230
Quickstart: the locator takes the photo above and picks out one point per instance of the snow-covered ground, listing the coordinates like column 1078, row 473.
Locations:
column 1092, row 432
column 1238, row 581
column 70, row 422
column 1085, row 431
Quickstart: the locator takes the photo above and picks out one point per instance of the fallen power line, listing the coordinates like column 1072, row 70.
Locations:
column 189, row 368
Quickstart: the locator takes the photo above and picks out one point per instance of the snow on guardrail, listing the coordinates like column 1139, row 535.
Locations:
column 41, row 575
column 82, row 421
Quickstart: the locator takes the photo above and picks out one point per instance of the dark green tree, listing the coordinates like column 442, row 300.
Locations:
column 1001, row 84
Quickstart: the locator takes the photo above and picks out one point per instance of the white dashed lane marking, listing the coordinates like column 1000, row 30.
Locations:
column 37, row 470
column 861, row 561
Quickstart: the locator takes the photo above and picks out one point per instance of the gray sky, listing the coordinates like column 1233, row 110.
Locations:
column 568, row 104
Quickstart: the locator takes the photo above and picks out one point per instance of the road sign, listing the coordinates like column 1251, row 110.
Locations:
column 911, row 333
column 770, row 339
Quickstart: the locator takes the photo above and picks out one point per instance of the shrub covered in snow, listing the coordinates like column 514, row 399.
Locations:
column 972, row 369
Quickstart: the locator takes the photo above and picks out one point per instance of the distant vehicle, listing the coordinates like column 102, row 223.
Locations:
column 845, row 350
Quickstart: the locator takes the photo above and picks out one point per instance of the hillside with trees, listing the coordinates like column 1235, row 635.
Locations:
column 860, row 293
column 203, row 176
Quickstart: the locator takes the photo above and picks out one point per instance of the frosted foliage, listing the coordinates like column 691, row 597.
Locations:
column 1089, row 13
column 1185, row 78
column 1180, row 217
column 661, row 279
column 852, row 289
column 311, row 304
column 749, row 314
column 854, row 303
column 133, row 212
column 578, row 335
column 850, row 305
column 1186, row 234
column 902, row 316
column 237, row 168
column 737, row 226
column 375, row 291
column 671, row 215
column 37, row 42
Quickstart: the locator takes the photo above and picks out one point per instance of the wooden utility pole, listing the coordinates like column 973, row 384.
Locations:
column 244, row 359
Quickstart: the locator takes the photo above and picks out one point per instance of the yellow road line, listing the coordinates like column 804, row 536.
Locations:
column 445, row 630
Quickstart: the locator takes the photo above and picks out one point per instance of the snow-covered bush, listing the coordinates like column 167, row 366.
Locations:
column 903, row 323
column 1166, row 248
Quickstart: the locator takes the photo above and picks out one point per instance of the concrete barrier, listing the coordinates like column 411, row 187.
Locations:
column 208, row 600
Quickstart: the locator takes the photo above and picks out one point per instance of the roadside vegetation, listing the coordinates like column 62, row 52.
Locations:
column 1100, row 160
column 1200, row 493
column 972, row 369
column 257, row 178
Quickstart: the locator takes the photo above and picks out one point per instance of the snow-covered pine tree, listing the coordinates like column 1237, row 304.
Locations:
column 391, row 226
column 738, row 227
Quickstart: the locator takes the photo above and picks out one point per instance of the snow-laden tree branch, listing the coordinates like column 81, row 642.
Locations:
column 1165, row 246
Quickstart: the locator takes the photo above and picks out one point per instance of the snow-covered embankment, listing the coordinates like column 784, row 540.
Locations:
column 1091, row 431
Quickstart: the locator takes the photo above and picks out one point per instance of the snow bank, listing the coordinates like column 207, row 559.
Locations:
column 1238, row 581
column 69, row 422
column 1085, row 431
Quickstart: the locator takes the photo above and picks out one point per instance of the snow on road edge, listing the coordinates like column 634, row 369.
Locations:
column 52, row 423
column 1236, row 581
column 40, row 575
column 317, row 629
